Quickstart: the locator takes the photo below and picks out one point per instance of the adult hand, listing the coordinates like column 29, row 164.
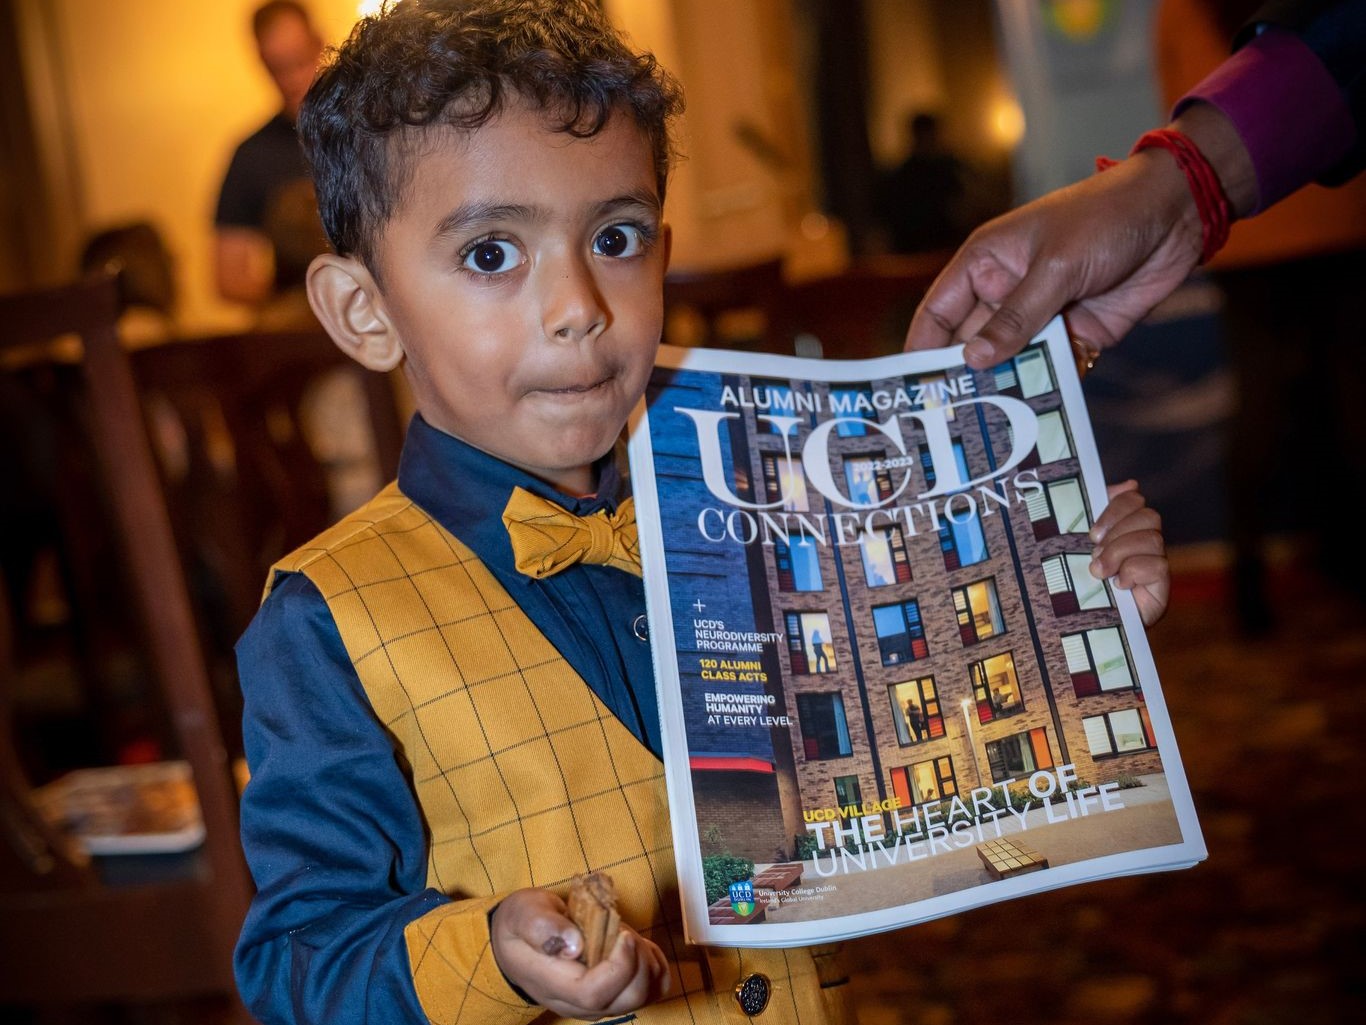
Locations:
column 1103, row 252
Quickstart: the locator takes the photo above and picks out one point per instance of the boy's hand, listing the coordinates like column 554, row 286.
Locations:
column 537, row 947
column 1129, row 548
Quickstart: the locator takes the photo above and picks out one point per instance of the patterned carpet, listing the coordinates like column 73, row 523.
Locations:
column 1269, row 930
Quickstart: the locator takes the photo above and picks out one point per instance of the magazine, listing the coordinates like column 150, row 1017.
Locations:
column 126, row 809
column 890, row 688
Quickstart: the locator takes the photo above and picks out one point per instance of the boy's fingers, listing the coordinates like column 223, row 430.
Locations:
column 1113, row 558
column 551, row 934
column 1141, row 519
column 1147, row 579
column 654, row 960
column 1141, row 571
column 602, row 986
column 643, row 984
column 1126, row 513
column 1121, row 504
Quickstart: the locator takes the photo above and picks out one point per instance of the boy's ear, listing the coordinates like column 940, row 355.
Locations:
column 348, row 303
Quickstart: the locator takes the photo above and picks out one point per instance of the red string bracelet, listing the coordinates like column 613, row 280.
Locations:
column 1210, row 202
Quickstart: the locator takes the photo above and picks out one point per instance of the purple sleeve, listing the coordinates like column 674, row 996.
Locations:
column 1286, row 107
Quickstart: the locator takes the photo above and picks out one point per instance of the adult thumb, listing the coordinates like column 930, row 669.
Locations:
column 1021, row 315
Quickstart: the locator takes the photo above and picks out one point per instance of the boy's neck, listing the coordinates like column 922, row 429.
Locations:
column 578, row 483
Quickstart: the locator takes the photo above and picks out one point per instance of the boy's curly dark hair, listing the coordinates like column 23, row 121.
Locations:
column 455, row 63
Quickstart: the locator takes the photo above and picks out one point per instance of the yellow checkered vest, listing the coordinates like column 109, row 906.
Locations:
column 523, row 776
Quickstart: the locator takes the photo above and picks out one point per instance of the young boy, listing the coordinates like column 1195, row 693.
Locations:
column 438, row 741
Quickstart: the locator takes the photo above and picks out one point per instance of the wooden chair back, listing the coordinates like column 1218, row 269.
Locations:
column 863, row 311
column 34, row 854
column 243, row 423
column 67, row 936
column 733, row 307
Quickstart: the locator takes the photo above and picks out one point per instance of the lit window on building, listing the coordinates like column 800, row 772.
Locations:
column 979, row 611
column 809, row 643
column 996, row 687
column 885, row 560
column 1019, row 754
column 784, row 482
column 916, row 711
column 923, row 782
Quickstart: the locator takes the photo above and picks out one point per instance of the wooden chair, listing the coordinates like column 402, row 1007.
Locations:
column 861, row 312
column 734, row 307
column 245, row 476
column 68, row 937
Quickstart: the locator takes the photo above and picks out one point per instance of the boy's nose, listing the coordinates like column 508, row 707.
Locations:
column 573, row 307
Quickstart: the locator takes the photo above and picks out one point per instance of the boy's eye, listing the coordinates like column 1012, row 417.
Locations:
column 619, row 240
column 491, row 256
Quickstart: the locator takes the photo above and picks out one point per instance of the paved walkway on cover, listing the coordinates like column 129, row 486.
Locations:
column 1147, row 817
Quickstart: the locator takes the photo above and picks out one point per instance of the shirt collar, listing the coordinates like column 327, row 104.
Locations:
column 465, row 489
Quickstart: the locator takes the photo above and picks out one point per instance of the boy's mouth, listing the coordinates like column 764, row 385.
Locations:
column 577, row 389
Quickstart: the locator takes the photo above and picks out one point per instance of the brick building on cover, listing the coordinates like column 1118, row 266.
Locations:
column 909, row 667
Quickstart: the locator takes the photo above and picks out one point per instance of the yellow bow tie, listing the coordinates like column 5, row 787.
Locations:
column 546, row 539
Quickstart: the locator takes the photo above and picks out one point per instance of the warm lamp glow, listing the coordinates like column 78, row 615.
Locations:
column 1007, row 122
column 815, row 226
column 366, row 8
column 1079, row 20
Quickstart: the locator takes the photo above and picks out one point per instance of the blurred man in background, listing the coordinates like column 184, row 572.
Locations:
column 266, row 223
column 922, row 201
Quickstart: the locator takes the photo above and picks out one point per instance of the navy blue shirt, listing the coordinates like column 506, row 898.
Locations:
column 330, row 825
column 267, row 187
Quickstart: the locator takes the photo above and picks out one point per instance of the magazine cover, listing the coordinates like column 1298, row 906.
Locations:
column 126, row 809
column 891, row 689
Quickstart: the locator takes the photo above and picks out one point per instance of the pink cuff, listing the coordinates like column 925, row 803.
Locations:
column 1286, row 107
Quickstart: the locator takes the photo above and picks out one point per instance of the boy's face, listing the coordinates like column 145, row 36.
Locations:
column 524, row 273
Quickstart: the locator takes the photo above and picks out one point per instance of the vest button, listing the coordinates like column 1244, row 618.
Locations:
column 752, row 994
column 640, row 626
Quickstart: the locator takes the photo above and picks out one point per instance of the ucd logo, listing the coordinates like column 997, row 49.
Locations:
column 742, row 897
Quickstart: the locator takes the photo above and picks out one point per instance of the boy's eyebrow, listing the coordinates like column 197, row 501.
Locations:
column 636, row 197
column 468, row 215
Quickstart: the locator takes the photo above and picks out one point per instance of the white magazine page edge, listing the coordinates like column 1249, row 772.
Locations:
column 1136, row 634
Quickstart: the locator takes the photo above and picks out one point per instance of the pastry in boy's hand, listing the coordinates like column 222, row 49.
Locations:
column 593, row 908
